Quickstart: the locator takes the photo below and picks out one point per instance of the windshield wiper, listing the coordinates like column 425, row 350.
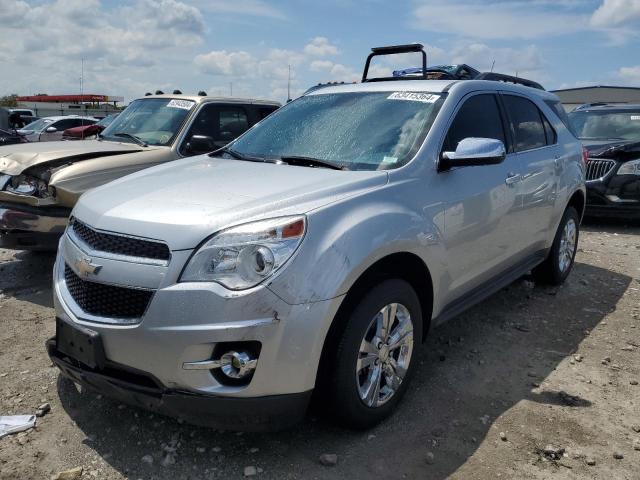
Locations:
column 311, row 162
column 135, row 138
column 241, row 156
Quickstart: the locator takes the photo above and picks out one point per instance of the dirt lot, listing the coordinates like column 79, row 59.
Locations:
column 528, row 368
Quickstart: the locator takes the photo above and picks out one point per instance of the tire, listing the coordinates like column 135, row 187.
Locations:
column 558, row 264
column 345, row 387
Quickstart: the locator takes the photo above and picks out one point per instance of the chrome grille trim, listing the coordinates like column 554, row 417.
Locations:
column 73, row 232
column 598, row 168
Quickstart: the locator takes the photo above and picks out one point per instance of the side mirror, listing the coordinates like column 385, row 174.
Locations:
column 200, row 144
column 474, row 151
column 51, row 129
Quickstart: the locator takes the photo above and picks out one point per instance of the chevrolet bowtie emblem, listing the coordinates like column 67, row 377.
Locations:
column 86, row 267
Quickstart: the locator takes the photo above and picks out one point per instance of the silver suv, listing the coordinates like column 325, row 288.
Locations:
column 316, row 251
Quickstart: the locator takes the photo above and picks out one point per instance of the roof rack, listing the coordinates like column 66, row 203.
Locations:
column 501, row 77
column 589, row 105
column 394, row 50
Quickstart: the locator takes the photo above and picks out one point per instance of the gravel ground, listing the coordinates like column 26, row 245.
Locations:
column 534, row 383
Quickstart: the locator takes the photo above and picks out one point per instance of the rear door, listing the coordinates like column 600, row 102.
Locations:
column 481, row 232
column 536, row 146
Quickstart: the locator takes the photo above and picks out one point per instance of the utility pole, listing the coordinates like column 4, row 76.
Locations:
column 493, row 64
column 289, row 85
column 82, row 76
column 231, row 89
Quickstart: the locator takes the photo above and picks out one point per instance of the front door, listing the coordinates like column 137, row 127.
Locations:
column 480, row 231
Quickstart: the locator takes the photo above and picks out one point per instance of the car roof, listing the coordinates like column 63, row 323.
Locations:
column 206, row 98
column 432, row 86
column 607, row 106
column 62, row 117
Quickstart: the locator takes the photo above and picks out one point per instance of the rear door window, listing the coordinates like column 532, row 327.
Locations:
column 527, row 123
column 478, row 117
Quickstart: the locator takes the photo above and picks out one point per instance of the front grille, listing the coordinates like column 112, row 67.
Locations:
column 598, row 168
column 106, row 300
column 119, row 244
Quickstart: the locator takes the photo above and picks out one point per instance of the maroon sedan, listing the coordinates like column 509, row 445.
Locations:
column 88, row 131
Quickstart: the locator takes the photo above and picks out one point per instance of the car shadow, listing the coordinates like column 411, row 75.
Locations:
column 611, row 225
column 470, row 372
column 27, row 276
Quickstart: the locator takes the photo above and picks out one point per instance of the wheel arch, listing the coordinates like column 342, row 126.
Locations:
column 578, row 201
column 404, row 265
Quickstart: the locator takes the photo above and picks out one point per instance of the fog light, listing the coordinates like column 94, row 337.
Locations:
column 237, row 364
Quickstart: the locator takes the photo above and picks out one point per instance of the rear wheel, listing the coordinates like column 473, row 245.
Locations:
column 557, row 266
column 373, row 362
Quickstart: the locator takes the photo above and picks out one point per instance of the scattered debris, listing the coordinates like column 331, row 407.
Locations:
column 71, row 474
column 503, row 436
column 430, row 458
column 329, row 459
column 551, row 452
column 591, row 461
column 618, row 455
column 148, row 459
column 250, row 471
column 16, row 423
column 43, row 410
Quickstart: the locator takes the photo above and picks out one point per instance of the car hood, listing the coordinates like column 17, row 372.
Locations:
column 14, row 159
column 614, row 149
column 185, row 201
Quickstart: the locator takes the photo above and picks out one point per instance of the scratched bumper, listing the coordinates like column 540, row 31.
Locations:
column 185, row 321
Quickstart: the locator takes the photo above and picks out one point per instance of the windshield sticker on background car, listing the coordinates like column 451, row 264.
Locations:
column 414, row 97
column 389, row 160
column 635, row 117
column 184, row 104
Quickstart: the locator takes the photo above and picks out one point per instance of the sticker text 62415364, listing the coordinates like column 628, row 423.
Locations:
column 414, row 97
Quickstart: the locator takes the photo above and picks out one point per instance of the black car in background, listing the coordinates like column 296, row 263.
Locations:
column 8, row 137
column 611, row 134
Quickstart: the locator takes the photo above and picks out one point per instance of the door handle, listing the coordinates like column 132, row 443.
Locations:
column 513, row 178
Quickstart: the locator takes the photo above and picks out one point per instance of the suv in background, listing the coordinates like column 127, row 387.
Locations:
column 611, row 135
column 41, row 182
column 316, row 251
column 49, row 129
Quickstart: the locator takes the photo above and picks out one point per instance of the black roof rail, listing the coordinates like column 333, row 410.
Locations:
column 394, row 50
column 501, row 77
column 589, row 105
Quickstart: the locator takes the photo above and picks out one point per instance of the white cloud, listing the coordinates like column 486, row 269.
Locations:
column 493, row 19
column 613, row 13
column 320, row 47
column 257, row 8
column 507, row 60
column 221, row 62
column 321, row 65
column 631, row 75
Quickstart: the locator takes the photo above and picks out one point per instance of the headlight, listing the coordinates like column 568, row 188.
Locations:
column 27, row 185
column 241, row 257
column 630, row 168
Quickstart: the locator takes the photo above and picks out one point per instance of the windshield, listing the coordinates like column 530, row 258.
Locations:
column 106, row 121
column 607, row 125
column 155, row 121
column 38, row 124
column 355, row 130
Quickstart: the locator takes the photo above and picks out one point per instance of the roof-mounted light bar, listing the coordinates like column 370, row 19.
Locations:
column 394, row 50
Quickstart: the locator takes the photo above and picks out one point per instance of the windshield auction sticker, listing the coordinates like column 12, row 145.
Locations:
column 184, row 104
column 414, row 97
column 635, row 117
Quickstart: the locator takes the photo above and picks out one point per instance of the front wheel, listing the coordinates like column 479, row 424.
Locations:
column 557, row 266
column 373, row 362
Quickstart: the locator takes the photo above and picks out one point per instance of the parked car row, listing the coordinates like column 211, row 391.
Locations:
column 301, row 250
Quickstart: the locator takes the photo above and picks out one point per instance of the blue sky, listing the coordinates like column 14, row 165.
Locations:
column 135, row 46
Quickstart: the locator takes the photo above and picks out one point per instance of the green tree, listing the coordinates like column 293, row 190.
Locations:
column 9, row 100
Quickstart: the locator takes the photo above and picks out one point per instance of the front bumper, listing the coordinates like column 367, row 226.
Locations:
column 249, row 414
column 185, row 322
column 617, row 196
column 31, row 228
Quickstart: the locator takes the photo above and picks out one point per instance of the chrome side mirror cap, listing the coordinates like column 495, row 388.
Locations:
column 474, row 151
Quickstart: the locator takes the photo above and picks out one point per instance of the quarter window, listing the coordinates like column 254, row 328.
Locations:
column 478, row 117
column 527, row 123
